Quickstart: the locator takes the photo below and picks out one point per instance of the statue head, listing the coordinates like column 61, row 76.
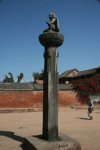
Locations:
column 52, row 15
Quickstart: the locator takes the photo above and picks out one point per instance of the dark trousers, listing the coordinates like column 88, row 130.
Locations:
column 90, row 111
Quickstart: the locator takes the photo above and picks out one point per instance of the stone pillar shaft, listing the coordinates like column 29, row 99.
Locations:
column 50, row 94
column 50, row 40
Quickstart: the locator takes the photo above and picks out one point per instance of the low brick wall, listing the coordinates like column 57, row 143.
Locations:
column 25, row 95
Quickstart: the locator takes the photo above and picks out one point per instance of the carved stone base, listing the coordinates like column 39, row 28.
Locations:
column 51, row 38
column 38, row 143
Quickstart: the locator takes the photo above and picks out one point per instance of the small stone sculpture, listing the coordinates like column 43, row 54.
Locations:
column 53, row 23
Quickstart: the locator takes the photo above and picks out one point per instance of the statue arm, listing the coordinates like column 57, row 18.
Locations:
column 52, row 21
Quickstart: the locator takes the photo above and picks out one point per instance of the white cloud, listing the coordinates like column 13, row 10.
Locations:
column 27, row 80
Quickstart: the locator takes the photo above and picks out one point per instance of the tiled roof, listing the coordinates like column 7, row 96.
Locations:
column 86, row 72
column 81, row 73
column 66, row 73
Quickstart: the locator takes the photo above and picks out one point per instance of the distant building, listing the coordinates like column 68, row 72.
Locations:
column 74, row 74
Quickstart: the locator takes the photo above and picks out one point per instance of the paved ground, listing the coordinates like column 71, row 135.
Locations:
column 75, row 124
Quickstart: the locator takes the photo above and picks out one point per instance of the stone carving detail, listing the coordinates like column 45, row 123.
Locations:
column 51, row 38
column 53, row 23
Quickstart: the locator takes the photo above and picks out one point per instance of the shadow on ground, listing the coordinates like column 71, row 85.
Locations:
column 97, row 112
column 12, row 136
column 83, row 118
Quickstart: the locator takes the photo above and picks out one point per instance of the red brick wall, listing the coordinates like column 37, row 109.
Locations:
column 30, row 99
column 71, row 98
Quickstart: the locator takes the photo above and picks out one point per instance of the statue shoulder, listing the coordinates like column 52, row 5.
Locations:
column 53, row 20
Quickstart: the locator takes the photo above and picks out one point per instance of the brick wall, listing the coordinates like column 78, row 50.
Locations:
column 20, row 99
column 34, row 98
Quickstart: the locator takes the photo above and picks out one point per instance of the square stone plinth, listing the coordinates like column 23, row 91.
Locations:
column 38, row 143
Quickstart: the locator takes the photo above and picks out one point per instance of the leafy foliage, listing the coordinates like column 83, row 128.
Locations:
column 10, row 80
column 20, row 77
column 38, row 76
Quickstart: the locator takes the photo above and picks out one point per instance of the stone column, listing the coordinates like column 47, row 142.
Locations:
column 50, row 40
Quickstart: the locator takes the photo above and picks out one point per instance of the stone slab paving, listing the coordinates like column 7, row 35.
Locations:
column 73, row 123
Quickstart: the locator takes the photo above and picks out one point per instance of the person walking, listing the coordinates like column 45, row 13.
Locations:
column 90, row 109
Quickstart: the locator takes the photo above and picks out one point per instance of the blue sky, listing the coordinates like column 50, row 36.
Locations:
column 21, row 23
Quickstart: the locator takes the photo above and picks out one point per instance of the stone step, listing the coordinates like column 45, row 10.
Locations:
column 19, row 110
column 22, row 110
column 38, row 143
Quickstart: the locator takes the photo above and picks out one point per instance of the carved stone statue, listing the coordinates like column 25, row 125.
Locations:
column 53, row 23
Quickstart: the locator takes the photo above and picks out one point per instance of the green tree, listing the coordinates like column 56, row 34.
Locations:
column 20, row 77
column 10, row 80
column 38, row 76
column 41, row 75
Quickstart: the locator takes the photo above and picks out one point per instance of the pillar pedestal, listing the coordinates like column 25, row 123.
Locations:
column 38, row 143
